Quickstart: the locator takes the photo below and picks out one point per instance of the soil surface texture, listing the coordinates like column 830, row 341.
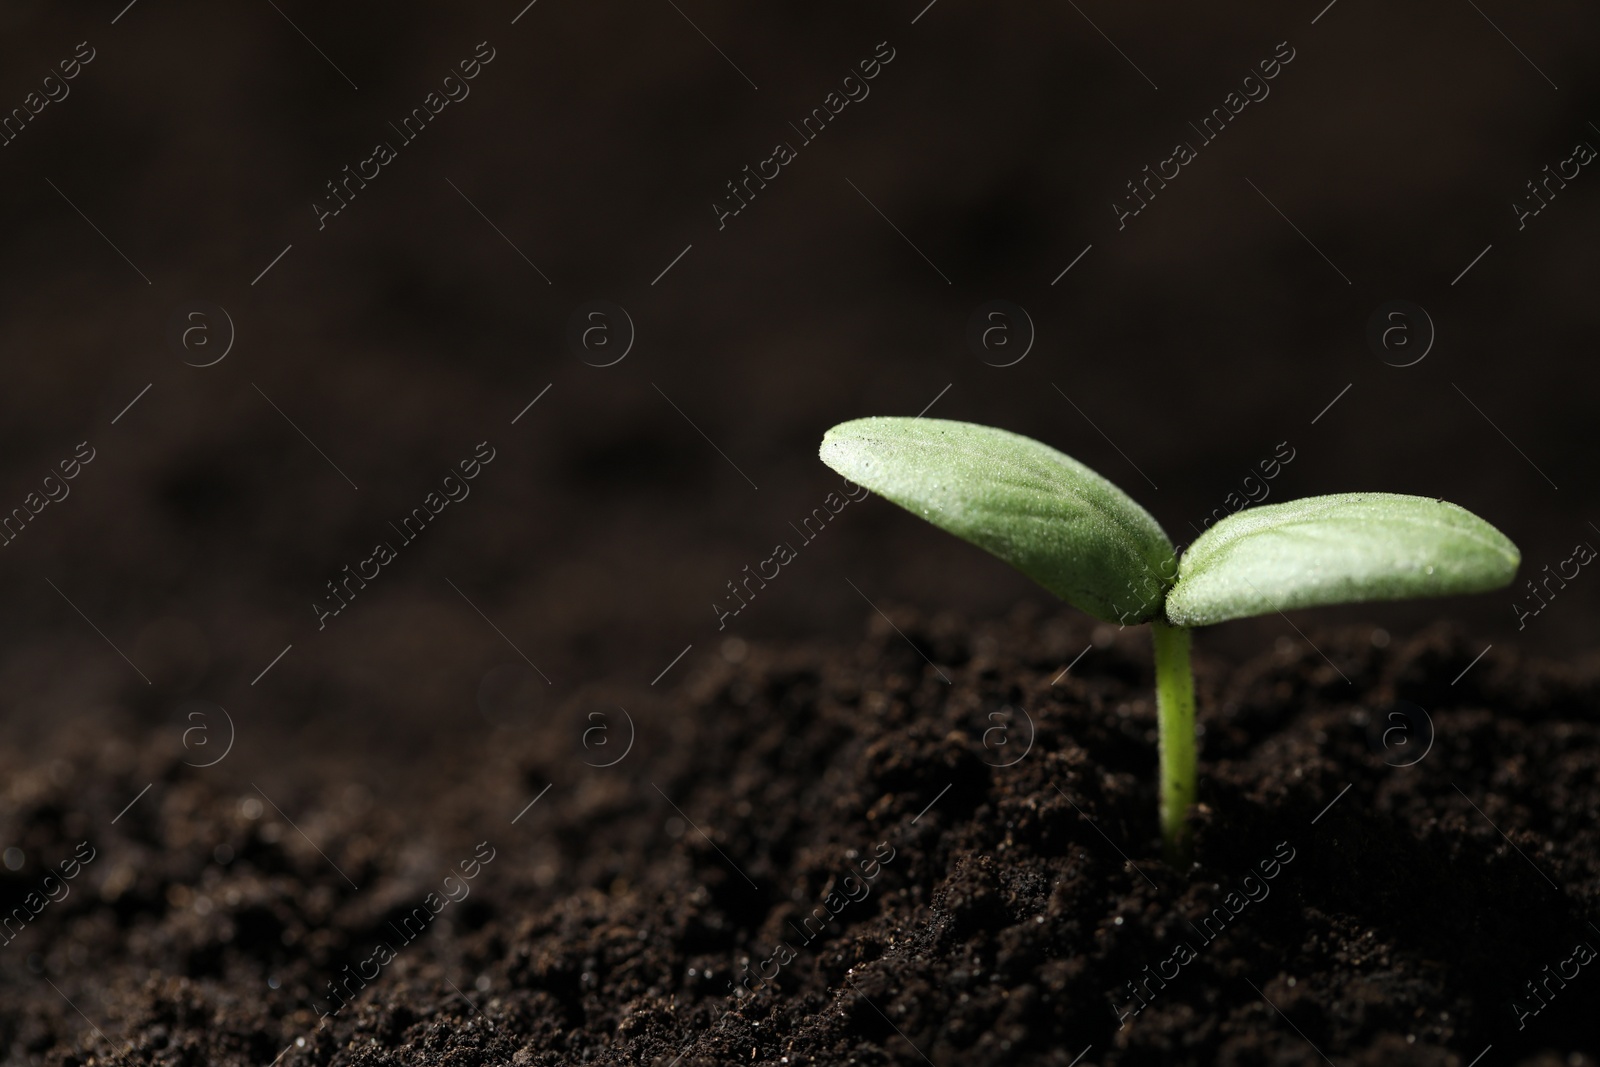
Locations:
column 936, row 846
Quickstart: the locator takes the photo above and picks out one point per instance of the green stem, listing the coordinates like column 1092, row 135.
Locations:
column 1175, row 711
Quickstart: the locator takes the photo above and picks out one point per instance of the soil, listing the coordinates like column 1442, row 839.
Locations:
column 993, row 899
column 1183, row 350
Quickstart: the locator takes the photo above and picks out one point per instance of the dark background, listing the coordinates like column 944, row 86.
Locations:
column 597, row 140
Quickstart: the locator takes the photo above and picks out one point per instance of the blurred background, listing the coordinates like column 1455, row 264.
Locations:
column 342, row 365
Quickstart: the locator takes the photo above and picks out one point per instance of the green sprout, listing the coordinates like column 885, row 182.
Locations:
column 1089, row 543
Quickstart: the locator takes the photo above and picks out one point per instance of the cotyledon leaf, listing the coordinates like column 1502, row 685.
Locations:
column 1043, row 512
column 1337, row 549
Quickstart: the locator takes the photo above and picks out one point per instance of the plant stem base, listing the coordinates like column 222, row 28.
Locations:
column 1175, row 710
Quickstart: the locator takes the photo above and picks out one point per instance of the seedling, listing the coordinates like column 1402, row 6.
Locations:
column 1089, row 543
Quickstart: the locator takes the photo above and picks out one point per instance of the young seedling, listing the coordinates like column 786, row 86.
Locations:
column 1089, row 543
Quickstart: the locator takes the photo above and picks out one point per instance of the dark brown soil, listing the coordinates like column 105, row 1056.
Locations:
column 1009, row 910
column 1176, row 351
